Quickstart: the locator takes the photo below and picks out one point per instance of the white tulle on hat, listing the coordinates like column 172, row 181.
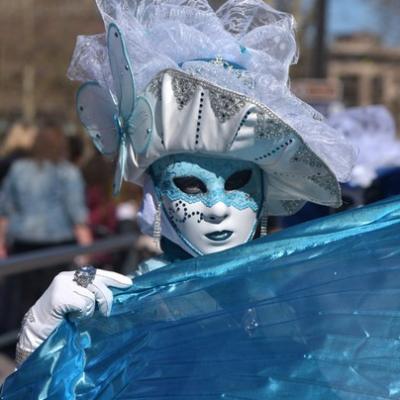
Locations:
column 232, row 65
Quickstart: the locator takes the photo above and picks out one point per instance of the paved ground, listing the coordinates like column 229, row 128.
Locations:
column 6, row 367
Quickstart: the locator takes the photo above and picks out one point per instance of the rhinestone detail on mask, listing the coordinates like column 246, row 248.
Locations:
column 179, row 204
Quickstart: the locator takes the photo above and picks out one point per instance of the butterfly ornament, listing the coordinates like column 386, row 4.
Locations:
column 119, row 119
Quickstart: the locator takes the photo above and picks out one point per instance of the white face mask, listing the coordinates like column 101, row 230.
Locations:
column 213, row 204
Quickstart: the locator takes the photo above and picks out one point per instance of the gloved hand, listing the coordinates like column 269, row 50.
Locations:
column 65, row 296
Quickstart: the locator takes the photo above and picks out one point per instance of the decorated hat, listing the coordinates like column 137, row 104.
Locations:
column 174, row 77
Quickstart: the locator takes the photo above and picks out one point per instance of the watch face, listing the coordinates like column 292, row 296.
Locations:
column 213, row 204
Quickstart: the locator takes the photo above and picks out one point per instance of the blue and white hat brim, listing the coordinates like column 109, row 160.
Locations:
column 193, row 115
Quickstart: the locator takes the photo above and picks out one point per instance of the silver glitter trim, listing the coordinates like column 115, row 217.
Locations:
column 184, row 89
column 218, row 89
column 291, row 206
column 225, row 105
column 155, row 86
column 270, row 128
column 306, row 156
column 327, row 182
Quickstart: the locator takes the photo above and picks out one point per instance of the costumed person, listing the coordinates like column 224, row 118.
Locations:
column 219, row 143
column 376, row 174
column 372, row 131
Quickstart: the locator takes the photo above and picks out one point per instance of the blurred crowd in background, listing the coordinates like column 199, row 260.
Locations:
column 56, row 190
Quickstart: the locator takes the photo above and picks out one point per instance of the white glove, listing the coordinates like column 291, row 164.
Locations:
column 65, row 296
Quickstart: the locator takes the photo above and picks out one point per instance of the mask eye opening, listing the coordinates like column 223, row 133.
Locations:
column 238, row 180
column 190, row 185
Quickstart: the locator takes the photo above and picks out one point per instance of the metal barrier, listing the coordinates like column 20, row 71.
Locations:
column 64, row 254
column 57, row 255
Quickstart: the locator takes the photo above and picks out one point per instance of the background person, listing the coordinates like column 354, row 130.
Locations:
column 17, row 144
column 42, row 205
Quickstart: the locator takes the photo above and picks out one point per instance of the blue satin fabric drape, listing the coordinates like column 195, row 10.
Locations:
column 312, row 312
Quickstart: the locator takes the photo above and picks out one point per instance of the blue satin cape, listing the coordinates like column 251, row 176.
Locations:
column 312, row 312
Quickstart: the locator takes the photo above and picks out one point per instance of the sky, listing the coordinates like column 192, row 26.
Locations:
column 346, row 16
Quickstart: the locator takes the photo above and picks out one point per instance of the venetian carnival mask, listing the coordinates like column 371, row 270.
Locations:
column 213, row 204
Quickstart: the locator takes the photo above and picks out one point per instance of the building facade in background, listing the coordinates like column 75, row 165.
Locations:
column 37, row 40
column 369, row 73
